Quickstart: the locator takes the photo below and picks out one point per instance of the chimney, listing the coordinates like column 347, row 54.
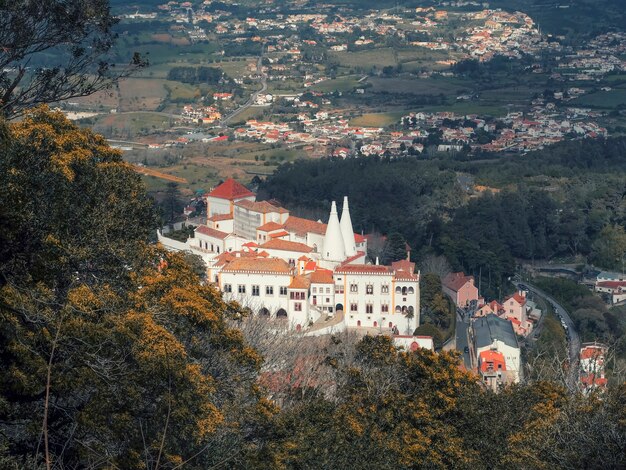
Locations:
column 377, row 261
column 334, row 248
column 347, row 232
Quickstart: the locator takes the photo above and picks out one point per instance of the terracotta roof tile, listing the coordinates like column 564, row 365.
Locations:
column 280, row 234
column 454, row 281
column 303, row 226
column 363, row 269
column 270, row 227
column 286, row 246
column 263, row 207
column 231, row 190
column 322, row 276
column 404, row 269
column 220, row 217
column 258, row 265
column 211, row 232
column 300, row 282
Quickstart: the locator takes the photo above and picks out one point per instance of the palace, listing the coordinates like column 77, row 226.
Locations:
column 311, row 274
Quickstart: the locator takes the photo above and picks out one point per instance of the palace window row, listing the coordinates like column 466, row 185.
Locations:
column 405, row 290
column 256, row 290
column 321, row 290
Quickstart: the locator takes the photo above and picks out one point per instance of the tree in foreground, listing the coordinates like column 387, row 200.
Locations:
column 54, row 50
column 112, row 355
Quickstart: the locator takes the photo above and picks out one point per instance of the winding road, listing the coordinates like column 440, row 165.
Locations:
column 573, row 343
column 259, row 67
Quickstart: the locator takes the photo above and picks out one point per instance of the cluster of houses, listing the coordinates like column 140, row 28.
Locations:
column 201, row 114
column 604, row 54
column 517, row 132
column 613, row 285
column 494, row 328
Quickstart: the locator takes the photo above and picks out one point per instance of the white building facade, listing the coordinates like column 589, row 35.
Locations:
column 298, row 270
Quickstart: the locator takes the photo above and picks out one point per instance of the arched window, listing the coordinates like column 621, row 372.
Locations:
column 398, row 290
column 404, row 291
column 298, row 327
column 398, row 309
column 390, row 324
column 358, row 323
column 375, row 324
column 404, row 310
column 411, row 290
column 264, row 312
column 411, row 310
column 281, row 313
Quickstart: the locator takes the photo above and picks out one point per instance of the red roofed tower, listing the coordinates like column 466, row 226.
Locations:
column 222, row 199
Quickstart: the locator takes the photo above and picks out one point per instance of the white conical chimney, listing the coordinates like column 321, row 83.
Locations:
column 334, row 249
column 346, row 229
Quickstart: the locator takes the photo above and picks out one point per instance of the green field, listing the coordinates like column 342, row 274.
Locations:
column 381, row 57
column 603, row 99
column 420, row 86
column 342, row 84
column 130, row 125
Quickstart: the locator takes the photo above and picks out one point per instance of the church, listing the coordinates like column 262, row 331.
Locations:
column 312, row 275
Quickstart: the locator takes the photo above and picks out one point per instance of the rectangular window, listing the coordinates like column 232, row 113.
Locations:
column 228, row 288
column 315, row 290
column 297, row 306
column 328, row 290
column 369, row 289
column 282, row 291
column 384, row 290
column 384, row 308
column 353, row 307
column 369, row 308
column 327, row 300
column 255, row 291
column 338, row 289
column 269, row 290
column 241, row 289
column 354, row 288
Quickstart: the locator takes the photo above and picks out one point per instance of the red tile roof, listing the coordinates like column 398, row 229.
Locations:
column 263, row 207
column 454, row 281
column 518, row 298
column 231, row 190
column 304, row 226
column 353, row 257
column 258, row 265
column 300, row 282
column 322, row 276
column 404, row 269
column 286, row 246
column 270, row 227
column 592, row 352
column 491, row 360
column 363, row 269
column 211, row 232
column 220, row 217
column 280, row 234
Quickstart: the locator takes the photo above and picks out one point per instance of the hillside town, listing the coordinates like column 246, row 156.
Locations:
column 299, row 54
